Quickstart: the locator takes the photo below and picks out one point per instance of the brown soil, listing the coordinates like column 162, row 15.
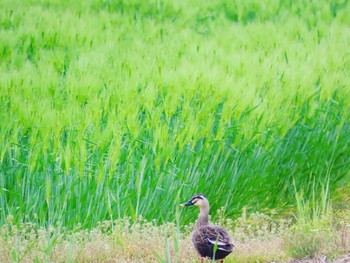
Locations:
column 345, row 259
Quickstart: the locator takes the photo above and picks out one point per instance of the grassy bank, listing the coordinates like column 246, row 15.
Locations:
column 124, row 109
column 258, row 238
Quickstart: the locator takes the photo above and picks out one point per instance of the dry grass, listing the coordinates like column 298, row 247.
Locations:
column 258, row 238
column 260, row 251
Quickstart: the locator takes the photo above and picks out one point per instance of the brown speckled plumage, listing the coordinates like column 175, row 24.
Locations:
column 205, row 236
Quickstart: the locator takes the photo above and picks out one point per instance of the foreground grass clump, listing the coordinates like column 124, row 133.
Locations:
column 327, row 235
column 117, row 241
column 258, row 238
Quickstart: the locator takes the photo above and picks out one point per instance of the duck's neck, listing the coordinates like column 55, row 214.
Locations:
column 203, row 218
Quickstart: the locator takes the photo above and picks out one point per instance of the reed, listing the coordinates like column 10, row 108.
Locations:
column 111, row 109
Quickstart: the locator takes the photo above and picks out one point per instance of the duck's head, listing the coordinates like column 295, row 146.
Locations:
column 197, row 200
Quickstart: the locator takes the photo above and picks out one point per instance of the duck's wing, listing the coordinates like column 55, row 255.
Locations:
column 216, row 235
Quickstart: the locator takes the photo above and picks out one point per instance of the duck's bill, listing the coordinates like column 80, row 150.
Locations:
column 187, row 204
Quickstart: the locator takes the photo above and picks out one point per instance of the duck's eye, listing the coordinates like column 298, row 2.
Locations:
column 194, row 200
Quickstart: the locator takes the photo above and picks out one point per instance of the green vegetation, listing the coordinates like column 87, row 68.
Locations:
column 115, row 109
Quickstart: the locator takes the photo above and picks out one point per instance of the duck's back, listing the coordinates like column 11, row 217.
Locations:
column 205, row 239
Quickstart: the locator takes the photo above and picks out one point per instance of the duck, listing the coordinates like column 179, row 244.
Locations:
column 209, row 240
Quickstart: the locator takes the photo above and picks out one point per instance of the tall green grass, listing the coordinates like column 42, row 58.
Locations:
column 111, row 108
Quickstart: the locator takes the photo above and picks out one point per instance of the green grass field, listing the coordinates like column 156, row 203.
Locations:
column 123, row 109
